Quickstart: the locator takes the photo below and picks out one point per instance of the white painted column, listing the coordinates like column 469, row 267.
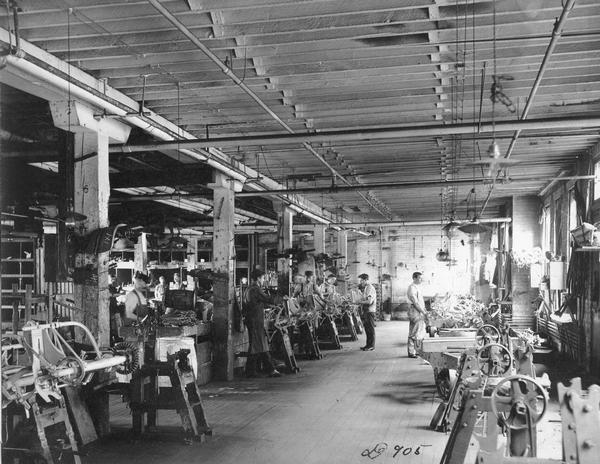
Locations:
column 319, row 242
column 285, row 222
column 224, row 266
column 342, row 249
column 91, row 195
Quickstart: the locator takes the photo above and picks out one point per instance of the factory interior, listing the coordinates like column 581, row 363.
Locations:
column 300, row 231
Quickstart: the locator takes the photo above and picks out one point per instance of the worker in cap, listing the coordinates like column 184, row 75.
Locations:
column 254, row 302
column 136, row 304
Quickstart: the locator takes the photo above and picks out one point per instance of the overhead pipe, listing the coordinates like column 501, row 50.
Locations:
column 406, row 185
column 350, row 226
column 240, row 83
column 556, row 33
column 147, row 125
column 378, row 133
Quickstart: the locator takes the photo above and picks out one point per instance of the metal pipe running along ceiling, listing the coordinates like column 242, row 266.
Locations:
column 367, row 134
column 407, row 185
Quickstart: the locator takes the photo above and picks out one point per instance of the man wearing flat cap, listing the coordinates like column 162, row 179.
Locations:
column 369, row 307
column 136, row 304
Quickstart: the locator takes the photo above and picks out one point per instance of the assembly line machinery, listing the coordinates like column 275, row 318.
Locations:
column 35, row 367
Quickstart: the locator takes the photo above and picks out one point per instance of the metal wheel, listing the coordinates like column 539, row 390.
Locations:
column 494, row 360
column 519, row 401
column 487, row 334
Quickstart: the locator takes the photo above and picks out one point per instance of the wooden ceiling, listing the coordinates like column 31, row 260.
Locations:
column 352, row 65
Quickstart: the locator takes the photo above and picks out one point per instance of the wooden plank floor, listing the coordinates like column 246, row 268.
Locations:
column 330, row 412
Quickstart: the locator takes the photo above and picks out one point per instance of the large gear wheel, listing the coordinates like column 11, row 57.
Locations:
column 487, row 334
column 525, row 399
column 494, row 360
column 130, row 351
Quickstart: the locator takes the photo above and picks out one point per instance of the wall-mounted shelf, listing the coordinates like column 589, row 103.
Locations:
column 17, row 268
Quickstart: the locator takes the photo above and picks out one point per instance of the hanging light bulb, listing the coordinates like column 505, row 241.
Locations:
column 493, row 150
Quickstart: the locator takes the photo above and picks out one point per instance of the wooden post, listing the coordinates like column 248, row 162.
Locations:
column 285, row 219
column 15, row 314
column 28, row 297
column 319, row 243
column 342, row 249
column 224, row 264
column 140, row 254
column 91, row 195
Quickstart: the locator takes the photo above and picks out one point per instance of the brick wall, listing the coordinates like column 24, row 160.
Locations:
column 410, row 249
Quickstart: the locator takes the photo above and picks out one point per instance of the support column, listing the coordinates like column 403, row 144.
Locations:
column 285, row 222
column 342, row 249
column 319, row 243
column 525, row 236
column 224, row 266
column 91, row 195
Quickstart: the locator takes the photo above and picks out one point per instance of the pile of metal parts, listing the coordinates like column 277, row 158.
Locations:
column 36, row 366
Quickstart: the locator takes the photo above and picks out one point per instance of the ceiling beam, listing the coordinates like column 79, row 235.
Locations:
column 181, row 175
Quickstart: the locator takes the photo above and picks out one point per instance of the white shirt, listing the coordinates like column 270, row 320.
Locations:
column 370, row 294
column 415, row 296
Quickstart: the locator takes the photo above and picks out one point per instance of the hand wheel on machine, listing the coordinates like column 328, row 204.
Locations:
column 494, row 360
column 523, row 399
column 487, row 334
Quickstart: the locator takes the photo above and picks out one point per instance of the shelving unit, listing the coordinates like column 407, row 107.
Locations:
column 165, row 256
column 124, row 260
column 204, row 252
column 18, row 265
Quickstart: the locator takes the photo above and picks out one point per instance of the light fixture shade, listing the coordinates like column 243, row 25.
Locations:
column 450, row 225
column 473, row 228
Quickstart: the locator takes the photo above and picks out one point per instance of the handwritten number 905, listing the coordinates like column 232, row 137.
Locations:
column 406, row 451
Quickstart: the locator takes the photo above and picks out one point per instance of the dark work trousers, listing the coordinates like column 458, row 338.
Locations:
column 256, row 361
column 369, row 322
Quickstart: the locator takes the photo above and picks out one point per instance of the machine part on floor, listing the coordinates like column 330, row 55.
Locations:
column 307, row 339
column 476, row 402
column 487, row 334
column 358, row 323
column 328, row 329
column 580, row 410
column 444, row 382
column 528, row 400
column 279, row 340
column 346, row 324
column 494, row 360
column 147, row 396
column 444, row 353
column 35, row 389
column 580, row 417
column 467, row 376
column 54, row 362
